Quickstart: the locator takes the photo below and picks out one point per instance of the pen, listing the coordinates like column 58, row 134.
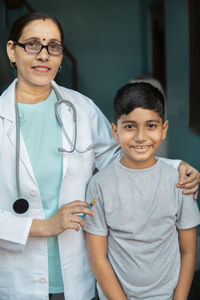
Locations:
column 90, row 206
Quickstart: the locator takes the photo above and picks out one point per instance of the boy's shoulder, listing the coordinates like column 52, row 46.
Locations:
column 105, row 173
column 168, row 175
column 111, row 172
column 168, row 168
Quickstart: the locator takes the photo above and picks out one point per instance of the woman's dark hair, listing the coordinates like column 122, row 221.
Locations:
column 20, row 24
column 138, row 95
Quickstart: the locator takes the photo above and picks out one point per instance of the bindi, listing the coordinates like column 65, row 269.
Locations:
column 44, row 39
column 44, row 19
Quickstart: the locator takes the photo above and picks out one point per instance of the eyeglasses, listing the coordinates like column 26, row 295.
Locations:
column 36, row 48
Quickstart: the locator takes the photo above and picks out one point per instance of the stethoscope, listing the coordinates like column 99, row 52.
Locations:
column 21, row 205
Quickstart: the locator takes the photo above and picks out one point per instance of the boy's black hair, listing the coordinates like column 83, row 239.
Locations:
column 138, row 95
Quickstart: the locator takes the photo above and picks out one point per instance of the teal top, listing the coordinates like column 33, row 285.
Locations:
column 42, row 136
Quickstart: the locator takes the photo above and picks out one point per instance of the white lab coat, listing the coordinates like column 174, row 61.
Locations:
column 23, row 260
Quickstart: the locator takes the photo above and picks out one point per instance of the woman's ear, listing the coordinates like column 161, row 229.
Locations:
column 11, row 51
column 114, row 132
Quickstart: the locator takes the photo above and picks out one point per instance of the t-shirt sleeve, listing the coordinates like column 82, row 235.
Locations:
column 97, row 224
column 188, row 212
column 172, row 162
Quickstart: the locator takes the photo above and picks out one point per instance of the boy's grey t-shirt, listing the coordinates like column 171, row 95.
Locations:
column 140, row 212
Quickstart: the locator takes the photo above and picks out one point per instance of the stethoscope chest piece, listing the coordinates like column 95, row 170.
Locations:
column 20, row 206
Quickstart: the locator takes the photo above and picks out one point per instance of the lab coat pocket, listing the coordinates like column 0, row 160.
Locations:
column 81, row 164
column 80, row 275
column 6, row 284
column 78, row 171
column 76, row 270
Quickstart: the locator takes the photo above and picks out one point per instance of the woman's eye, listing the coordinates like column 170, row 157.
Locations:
column 32, row 44
column 54, row 46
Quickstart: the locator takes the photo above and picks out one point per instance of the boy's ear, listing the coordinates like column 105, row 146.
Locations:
column 165, row 128
column 114, row 132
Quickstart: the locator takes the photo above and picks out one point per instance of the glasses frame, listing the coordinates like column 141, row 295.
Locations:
column 42, row 46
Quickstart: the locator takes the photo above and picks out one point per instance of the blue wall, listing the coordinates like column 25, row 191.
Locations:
column 105, row 37
column 109, row 39
column 182, row 141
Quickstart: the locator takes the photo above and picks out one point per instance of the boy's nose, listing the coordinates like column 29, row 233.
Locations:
column 140, row 135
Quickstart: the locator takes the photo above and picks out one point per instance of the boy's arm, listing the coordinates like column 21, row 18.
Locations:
column 188, row 245
column 103, row 271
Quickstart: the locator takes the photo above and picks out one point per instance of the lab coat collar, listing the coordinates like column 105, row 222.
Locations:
column 7, row 99
column 7, row 107
column 7, row 111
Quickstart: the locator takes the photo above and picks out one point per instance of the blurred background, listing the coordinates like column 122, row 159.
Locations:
column 111, row 42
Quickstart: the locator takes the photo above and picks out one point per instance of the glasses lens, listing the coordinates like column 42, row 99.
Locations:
column 33, row 47
column 55, row 49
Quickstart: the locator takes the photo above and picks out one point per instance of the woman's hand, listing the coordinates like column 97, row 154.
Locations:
column 65, row 218
column 189, row 179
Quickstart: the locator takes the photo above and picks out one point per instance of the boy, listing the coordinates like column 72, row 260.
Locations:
column 142, row 241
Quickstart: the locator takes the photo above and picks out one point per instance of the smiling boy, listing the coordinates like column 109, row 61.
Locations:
column 140, row 134
column 142, row 241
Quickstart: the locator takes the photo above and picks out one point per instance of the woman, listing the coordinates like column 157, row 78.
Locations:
column 46, row 167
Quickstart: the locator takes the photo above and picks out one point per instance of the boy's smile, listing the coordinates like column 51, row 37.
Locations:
column 140, row 134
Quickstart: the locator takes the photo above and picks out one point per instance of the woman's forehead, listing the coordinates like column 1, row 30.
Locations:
column 43, row 29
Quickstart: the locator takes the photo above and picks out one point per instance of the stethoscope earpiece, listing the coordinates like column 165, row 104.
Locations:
column 20, row 206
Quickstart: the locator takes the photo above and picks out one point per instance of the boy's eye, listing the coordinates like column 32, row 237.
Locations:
column 151, row 126
column 129, row 126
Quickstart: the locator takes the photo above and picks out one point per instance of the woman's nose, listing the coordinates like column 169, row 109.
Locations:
column 43, row 54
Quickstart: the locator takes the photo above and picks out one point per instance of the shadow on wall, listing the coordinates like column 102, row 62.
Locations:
column 6, row 76
column 195, row 288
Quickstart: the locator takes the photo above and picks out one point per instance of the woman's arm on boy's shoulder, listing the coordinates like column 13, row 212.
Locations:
column 102, row 269
column 188, row 246
column 189, row 177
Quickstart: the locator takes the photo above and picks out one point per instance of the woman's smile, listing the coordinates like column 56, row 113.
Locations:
column 41, row 68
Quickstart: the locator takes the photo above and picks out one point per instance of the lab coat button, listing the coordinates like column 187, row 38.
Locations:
column 33, row 192
column 43, row 280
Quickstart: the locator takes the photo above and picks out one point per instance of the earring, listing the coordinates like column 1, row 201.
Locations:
column 60, row 68
column 13, row 64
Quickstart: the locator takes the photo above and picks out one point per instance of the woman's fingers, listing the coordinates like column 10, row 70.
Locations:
column 78, row 221
column 69, row 216
column 189, row 184
column 77, row 209
column 193, row 191
column 195, row 196
column 189, row 180
column 187, row 174
column 76, row 203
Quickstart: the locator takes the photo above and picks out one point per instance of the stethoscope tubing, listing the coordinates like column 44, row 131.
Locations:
column 21, row 205
column 17, row 147
column 68, row 103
